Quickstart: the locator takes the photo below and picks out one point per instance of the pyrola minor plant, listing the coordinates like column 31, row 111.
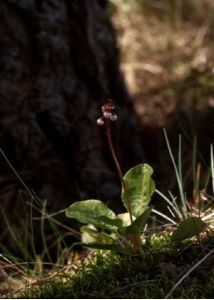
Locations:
column 123, row 232
column 105, row 229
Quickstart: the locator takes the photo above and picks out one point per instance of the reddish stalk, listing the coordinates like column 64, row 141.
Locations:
column 120, row 174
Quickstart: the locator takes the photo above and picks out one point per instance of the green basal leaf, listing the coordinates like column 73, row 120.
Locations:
column 112, row 222
column 91, row 234
column 137, row 226
column 189, row 228
column 91, row 229
column 90, row 212
column 140, row 187
column 125, row 218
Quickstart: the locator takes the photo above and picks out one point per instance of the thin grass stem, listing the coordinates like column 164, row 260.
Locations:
column 18, row 241
column 164, row 216
column 179, row 180
column 42, row 229
column 16, row 173
column 189, row 272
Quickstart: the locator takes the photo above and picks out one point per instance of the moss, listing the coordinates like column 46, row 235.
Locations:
column 150, row 275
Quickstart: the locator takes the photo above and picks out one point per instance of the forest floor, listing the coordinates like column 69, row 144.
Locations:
column 163, row 270
column 167, row 59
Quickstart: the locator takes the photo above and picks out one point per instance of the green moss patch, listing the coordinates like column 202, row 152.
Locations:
column 150, row 275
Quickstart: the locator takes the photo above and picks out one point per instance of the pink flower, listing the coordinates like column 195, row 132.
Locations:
column 107, row 113
column 100, row 121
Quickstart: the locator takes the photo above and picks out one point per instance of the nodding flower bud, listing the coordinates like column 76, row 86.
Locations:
column 108, row 106
column 100, row 121
column 113, row 118
column 107, row 113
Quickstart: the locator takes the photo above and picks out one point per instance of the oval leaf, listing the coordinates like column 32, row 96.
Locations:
column 140, row 187
column 112, row 222
column 90, row 212
column 188, row 228
column 91, row 235
column 125, row 218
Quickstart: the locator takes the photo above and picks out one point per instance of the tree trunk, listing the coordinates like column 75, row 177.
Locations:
column 59, row 63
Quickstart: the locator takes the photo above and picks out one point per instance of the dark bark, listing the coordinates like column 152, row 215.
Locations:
column 59, row 63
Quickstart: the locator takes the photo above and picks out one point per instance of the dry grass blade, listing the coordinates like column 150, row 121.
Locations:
column 50, row 216
column 73, row 265
column 13, row 266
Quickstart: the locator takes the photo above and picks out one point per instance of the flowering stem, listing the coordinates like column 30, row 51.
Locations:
column 120, row 174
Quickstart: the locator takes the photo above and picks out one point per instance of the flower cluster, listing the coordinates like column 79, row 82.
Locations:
column 107, row 113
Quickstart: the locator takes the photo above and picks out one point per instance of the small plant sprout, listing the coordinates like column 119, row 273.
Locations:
column 105, row 229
